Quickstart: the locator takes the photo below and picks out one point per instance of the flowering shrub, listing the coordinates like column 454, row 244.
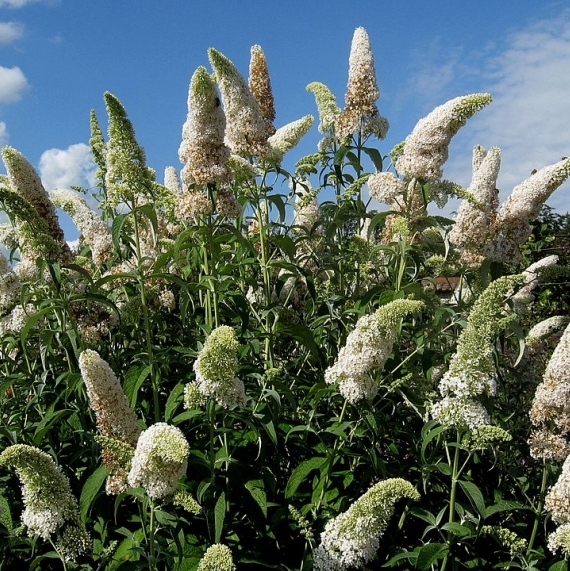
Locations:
column 250, row 368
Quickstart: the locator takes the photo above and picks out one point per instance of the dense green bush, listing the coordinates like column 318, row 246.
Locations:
column 251, row 367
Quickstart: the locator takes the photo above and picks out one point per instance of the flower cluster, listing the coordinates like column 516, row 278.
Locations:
column 218, row 557
column 474, row 221
column 557, row 502
column 385, row 187
column 93, row 230
column 10, row 286
column 115, row 418
column 360, row 113
column 352, row 538
column 426, row 148
column 202, row 149
column 160, row 459
column 287, row 137
column 550, row 411
column 25, row 182
column 367, row 348
column 471, row 370
column 51, row 507
column 246, row 133
column 260, row 87
column 216, row 367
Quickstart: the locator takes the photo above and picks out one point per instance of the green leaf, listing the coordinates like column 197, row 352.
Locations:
column 174, row 399
column 134, row 379
column 429, row 554
column 256, row 489
column 457, row 529
column 409, row 555
column 301, row 472
column 91, row 489
column 560, row 566
column 475, row 496
column 503, row 506
column 219, row 516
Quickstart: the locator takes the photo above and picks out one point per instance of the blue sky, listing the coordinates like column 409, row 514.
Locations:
column 57, row 57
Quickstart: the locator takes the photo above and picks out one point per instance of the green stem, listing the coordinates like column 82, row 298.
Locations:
column 452, row 499
column 151, row 534
column 538, row 511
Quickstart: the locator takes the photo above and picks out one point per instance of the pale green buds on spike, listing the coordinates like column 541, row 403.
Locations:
column 426, row 148
column 287, row 137
column 127, row 177
column 50, row 504
column 326, row 105
column 216, row 368
column 160, row 460
column 352, row 539
column 367, row 349
column 24, row 181
column 202, row 149
column 472, row 369
column 246, row 133
column 218, row 557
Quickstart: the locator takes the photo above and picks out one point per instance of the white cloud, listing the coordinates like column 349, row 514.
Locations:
column 10, row 32
column 529, row 118
column 23, row 3
column 3, row 134
column 73, row 166
column 13, row 83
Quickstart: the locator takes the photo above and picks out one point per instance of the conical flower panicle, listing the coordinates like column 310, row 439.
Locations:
column 171, row 181
column 557, row 502
column 160, row 460
column 472, row 370
column 216, row 367
column 94, row 231
column 367, row 349
column 550, row 411
column 352, row 539
column 98, row 147
column 513, row 224
column 361, row 113
column 10, row 286
column 474, row 222
column 260, row 86
column 218, row 557
column 116, row 420
column 326, row 106
column 127, row 178
column 246, row 133
column 25, row 182
column 426, row 148
column 287, row 137
column 51, row 507
column 202, row 149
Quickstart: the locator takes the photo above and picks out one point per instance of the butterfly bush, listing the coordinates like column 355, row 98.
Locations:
column 360, row 113
column 246, row 133
column 218, row 557
column 471, row 371
column 93, row 230
column 557, row 503
column 203, row 152
column 550, row 411
column 367, row 349
column 427, row 148
column 352, row 539
column 160, row 460
column 10, row 286
column 116, row 420
column 259, row 84
column 50, row 506
column 215, row 369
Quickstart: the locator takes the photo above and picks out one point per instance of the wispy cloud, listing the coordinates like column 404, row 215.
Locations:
column 4, row 136
column 73, row 166
column 13, row 83
column 529, row 118
column 23, row 3
column 10, row 32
